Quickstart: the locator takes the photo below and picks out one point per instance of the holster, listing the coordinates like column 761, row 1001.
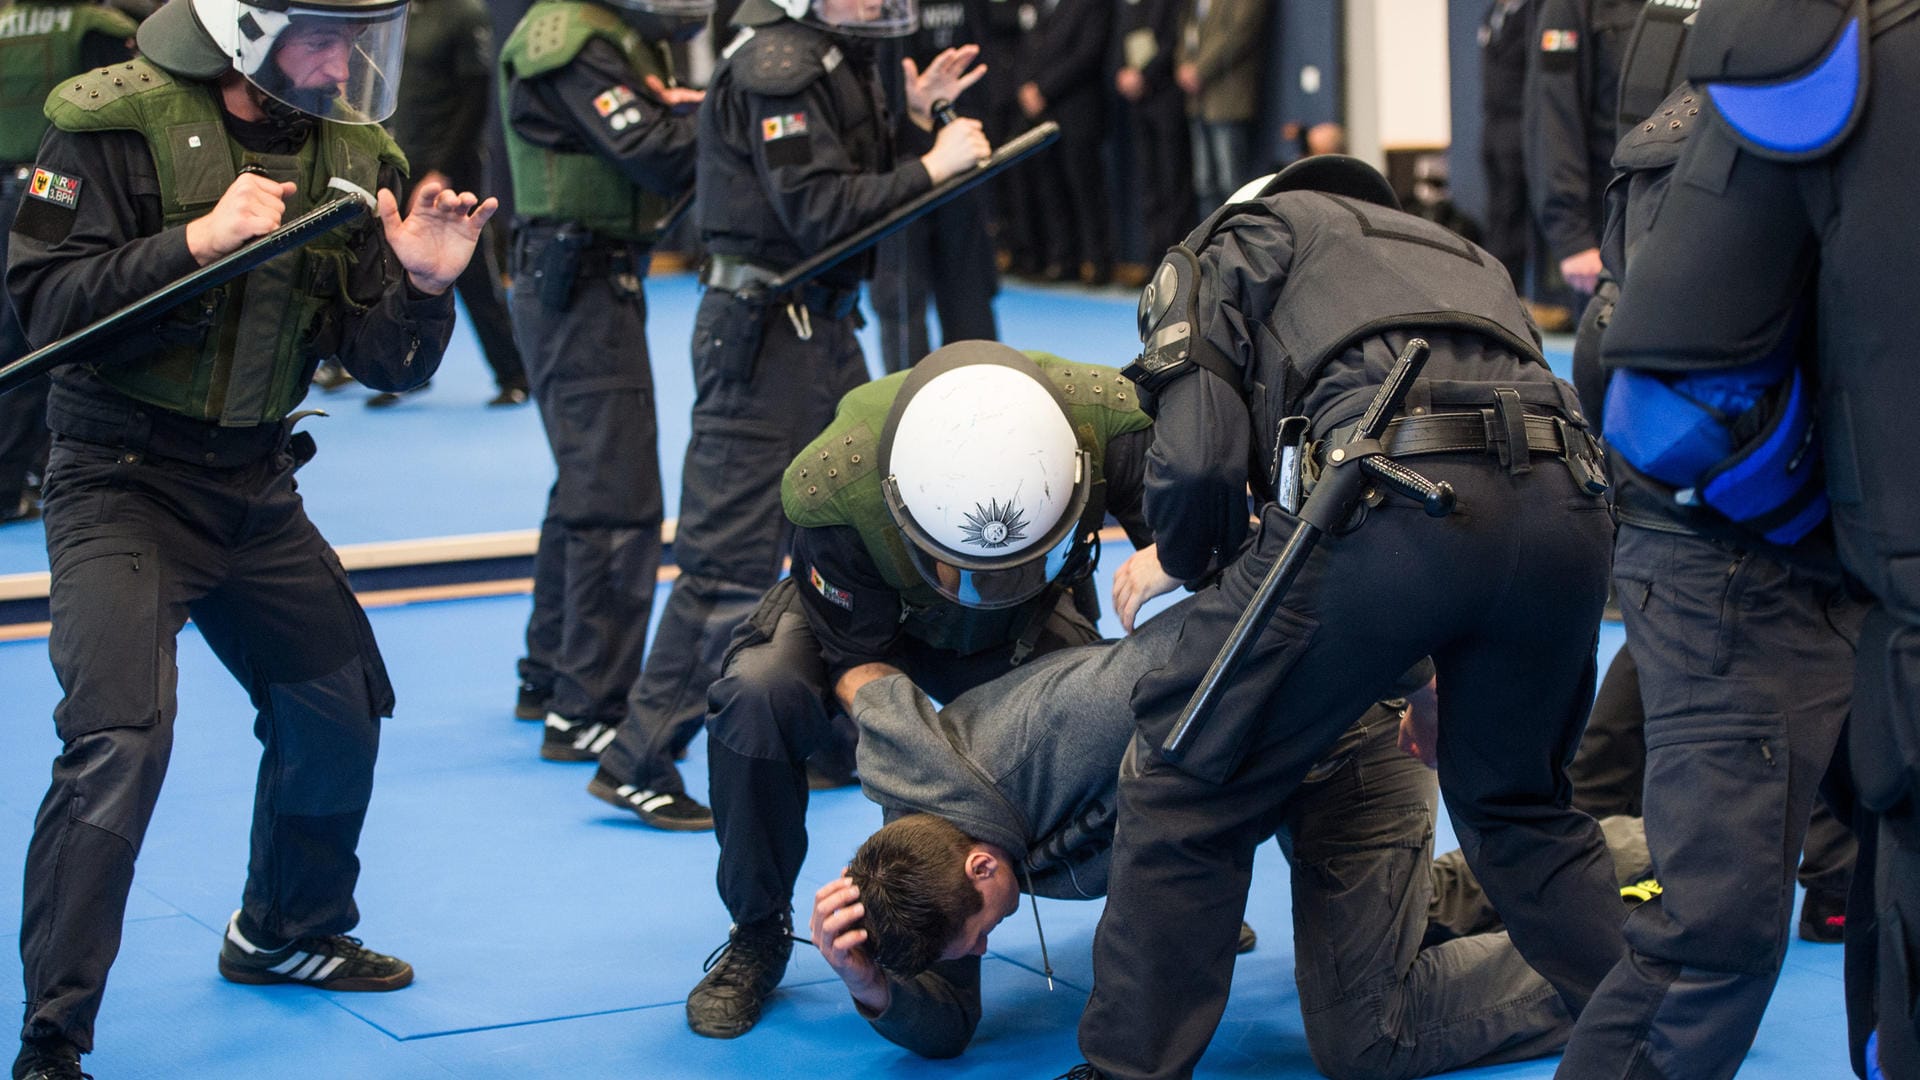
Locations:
column 557, row 266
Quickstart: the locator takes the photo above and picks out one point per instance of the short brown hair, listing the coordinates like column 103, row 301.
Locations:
column 913, row 882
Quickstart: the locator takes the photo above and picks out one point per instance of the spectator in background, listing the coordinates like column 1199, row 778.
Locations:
column 1504, row 44
column 1219, row 67
column 1062, row 68
column 948, row 252
column 441, row 123
column 1163, row 157
column 1005, row 24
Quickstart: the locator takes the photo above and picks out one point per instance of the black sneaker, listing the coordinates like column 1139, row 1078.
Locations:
column 531, row 704
column 336, row 962
column 726, row 1004
column 575, row 740
column 1823, row 917
column 51, row 1058
column 1248, row 939
column 674, row 811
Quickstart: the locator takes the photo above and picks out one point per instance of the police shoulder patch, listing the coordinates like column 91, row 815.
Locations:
column 1559, row 41
column 56, row 188
column 835, row 595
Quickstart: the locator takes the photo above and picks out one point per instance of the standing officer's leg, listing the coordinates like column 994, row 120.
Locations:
column 546, row 623
column 898, row 294
column 959, row 266
column 124, row 569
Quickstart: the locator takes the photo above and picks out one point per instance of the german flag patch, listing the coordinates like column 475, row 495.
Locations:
column 57, row 188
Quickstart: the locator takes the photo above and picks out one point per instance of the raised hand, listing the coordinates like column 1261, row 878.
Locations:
column 946, row 77
column 436, row 238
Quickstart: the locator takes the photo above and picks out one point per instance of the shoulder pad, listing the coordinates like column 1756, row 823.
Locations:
column 1805, row 113
column 1088, row 384
column 553, row 33
column 104, row 97
column 1761, row 40
column 1655, row 142
column 825, row 469
column 782, row 59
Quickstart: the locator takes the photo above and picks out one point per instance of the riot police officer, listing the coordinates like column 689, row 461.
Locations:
column 40, row 43
column 1781, row 215
column 1266, row 336
column 598, row 153
column 945, row 521
column 170, row 486
column 796, row 151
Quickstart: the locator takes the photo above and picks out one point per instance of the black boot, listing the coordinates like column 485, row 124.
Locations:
column 51, row 1058
column 726, row 1004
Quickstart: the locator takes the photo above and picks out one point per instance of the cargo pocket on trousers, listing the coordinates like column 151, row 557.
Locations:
column 1214, row 749
column 105, row 643
column 379, row 687
column 1716, row 800
column 726, row 337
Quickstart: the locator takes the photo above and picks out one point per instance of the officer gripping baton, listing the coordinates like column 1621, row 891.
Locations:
column 349, row 207
column 1351, row 468
column 1011, row 153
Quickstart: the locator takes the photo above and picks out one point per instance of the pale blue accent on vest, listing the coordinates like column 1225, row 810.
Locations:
column 1803, row 114
column 1662, row 432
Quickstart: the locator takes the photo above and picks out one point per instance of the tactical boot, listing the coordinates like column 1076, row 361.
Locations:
column 52, row 1058
column 740, row 977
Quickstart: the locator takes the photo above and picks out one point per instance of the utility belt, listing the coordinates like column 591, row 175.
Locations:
column 1510, row 431
column 737, row 275
column 554, row 259
column 147, row 430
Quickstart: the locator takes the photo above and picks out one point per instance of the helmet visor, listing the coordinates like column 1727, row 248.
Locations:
column 989, row 589
column 340, row 64
column 869, row 18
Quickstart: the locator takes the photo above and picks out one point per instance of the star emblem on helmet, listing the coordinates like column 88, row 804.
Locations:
column 995, row 526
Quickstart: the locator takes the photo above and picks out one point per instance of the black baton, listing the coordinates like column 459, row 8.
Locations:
column 296, row 233
column 1351, row 467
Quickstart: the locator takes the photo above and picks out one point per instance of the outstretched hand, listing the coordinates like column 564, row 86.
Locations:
column 837, row 933
column 946, row 77
column 680, row 99
column 436, row 238
column 1138, row 580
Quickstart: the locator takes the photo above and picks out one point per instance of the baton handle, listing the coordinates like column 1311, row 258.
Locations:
column 1435, row 498
column 296, row 233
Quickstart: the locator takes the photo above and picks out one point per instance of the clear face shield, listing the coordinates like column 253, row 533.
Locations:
column 335, row 63
column 869, row 18
column 975, row 582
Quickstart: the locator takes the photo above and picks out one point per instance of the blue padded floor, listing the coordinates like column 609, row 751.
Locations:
column 557, row 937
column 443, row 464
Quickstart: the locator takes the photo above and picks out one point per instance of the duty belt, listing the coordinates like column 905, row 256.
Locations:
column 738, row 275
column 1508, row 431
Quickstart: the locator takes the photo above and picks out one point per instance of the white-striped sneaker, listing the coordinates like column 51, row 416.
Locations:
column 670, row 810
column 335, row 962
column 575, row 740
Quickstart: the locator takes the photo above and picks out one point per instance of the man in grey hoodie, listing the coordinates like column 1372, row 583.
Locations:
column 1021, row 775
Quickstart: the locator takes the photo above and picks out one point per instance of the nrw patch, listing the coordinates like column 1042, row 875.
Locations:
column 610, row 101
column 56, row 188
column 835, row 595
column 781, row 127
column 1559, row 41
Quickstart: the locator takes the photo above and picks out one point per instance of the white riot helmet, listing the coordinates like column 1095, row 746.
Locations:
column 664, row 20
column 857, row 18
column 985, row 476
column 335, row 59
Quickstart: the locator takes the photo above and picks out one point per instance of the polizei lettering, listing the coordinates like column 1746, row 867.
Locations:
column 34, row 21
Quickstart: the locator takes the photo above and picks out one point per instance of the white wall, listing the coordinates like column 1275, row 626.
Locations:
column 1396, row 60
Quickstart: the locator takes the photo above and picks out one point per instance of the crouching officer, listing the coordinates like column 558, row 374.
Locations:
column 170, row 488
column 944, row 520
column 40, row 43
column 598, row 153
column 1789, row 223
column 1275, row 323
column 796, row 151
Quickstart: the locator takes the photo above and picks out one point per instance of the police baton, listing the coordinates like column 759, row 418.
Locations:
column 1014, row 151
column 353, row 204
column 1351, row 469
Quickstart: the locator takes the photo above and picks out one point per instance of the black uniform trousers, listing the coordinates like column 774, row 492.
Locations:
column 1746, row 668
column 1514, row 655
column 23, row 413
column 1509, row 225
column 1750, row 227
column 599, row 553
column 138, row 544
column 949, row 254
column 1070, row 183
column 753, row 410
column 479, row 289
column 1163, row 158
column 774, row 707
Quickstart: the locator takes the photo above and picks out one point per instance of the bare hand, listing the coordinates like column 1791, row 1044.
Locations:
column 1139, row 580
column 838, row 935
column 1420, row 726
column 250, row 207
column 1582, row 270
column 1188, row 76
column 1131, row 84
column 946, row 77
column 681, row 99
column 960, row 146
column 436, row 238
column 1032, row 101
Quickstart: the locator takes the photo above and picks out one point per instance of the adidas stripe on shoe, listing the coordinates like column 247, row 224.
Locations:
column 334, row 962
column 673, row 811
column 575, row 740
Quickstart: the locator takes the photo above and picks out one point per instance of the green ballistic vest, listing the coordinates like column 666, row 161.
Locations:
column 250, row 366
column 580, row 187
column 39, row 46
column 836, row 481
